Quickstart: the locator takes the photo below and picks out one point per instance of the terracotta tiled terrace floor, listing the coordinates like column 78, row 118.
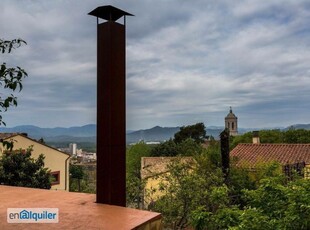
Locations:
column 76, row 211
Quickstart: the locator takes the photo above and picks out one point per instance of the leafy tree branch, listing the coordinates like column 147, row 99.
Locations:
column 10, row 77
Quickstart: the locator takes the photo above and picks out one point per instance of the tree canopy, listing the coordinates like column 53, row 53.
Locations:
column 196, row 132
column 134, row 182
column 18, row 168
column 186, row 142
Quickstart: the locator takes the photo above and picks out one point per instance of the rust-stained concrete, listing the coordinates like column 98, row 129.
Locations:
column 76, row 211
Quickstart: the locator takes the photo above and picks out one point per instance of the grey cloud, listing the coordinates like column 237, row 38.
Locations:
column 185, row 62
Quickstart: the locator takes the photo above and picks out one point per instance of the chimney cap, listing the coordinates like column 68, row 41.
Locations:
column 109, row 13
column 255, row 133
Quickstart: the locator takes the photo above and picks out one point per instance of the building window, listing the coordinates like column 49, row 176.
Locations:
column 55, row 177
column 232, row 125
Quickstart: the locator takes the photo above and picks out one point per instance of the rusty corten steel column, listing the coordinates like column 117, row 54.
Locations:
column 111, row 106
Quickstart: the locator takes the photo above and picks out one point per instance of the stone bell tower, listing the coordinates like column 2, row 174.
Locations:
column 231, row 123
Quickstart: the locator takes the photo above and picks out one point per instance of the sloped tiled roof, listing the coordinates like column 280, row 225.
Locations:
column 252, row 154
column 4, row 136
column 7, row 135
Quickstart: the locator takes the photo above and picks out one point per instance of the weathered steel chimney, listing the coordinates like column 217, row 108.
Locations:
column 111, row 106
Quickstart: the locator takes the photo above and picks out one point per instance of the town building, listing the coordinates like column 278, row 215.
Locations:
column 73, row 148
column 251, row 155
column 55, row 160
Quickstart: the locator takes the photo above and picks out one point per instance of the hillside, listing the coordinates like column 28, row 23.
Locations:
column 156, row 133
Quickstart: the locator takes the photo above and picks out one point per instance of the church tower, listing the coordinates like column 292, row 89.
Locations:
column 231, row 123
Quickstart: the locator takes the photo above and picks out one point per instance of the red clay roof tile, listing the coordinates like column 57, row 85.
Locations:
column 252, row 154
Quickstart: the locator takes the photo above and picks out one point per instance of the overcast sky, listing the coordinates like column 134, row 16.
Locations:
column 187, row 61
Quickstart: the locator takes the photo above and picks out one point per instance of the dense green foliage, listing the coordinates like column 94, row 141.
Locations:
column 134, row 183
column 225, row 152
column 76, row 171
column 195, row 132
column 167, row 148
column 10, row 77
column 76, row 174
column 278, row 204
column 170, row 148
column 186, row 142
column 82, row 178
column 189, row 186
column 194, row 194
column 18, row 168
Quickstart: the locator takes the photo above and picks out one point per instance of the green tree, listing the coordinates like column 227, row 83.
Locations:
column 225, row 152
column 245, row 138
column 10, row 77
column 76, row 173
column 189, row 186
column 271, row 136
column 186, row 142
column 82, row 178
column 270, row 203
column 296, row 136
column 187, row 147
column 277, row 205
column 167, row 148
column 18, row 168
column 213, row 153
column 134, row 182
column 265, row 136
column 196, row 132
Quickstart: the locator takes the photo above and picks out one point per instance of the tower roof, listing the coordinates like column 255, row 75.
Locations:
column 109, row 13
column 231, row 114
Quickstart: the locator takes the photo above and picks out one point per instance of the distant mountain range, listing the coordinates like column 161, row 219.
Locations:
column 299, row 126
column 37, row 132
column 156, row 133
column 59, row 136
column 87, row 133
